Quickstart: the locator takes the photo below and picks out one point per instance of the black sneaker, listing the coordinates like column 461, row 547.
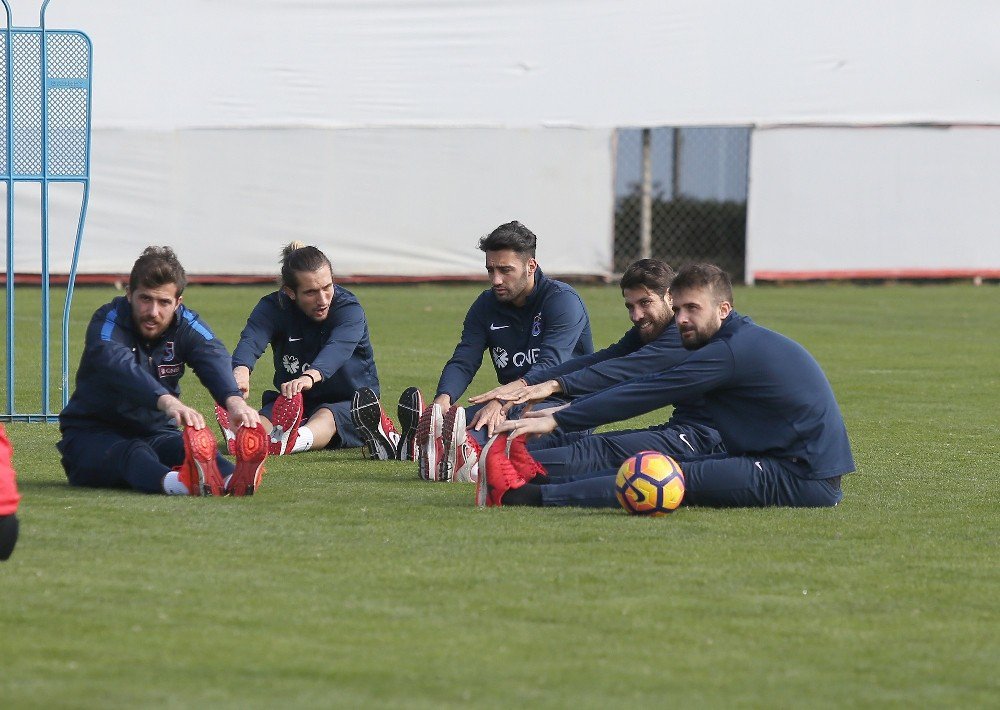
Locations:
column 374, row 426
column 411, row 406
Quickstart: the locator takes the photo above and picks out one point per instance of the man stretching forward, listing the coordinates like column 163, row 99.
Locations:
column 527, row 321
column 323, row 356
column 784, row 435
column 120, row 426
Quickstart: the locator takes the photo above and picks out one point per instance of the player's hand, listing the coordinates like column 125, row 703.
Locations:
column 545, row 423
column 533, row 413
column 503, row 392
column 299, row 384
column 533, row 393
column 443, row 401
column 490, row 416
column 241, row 413
column 182, row 414
column 242, row 375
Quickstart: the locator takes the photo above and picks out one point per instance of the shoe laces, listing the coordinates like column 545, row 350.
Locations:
column 472, row 446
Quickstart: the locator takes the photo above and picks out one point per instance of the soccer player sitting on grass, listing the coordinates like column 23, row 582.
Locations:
column 784, row 435
column 653, row 344
column 9, row 498
column 323, row 355
column 120, row 426
column 527, row 321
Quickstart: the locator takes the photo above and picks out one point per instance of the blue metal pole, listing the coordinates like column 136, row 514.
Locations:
column 69, row 288
column 10, row 212
column 46, row 295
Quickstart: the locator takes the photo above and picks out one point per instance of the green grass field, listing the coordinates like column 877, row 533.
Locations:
column 351, row 583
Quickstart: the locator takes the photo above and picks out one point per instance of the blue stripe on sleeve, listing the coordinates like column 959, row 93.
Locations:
column 198, row 326
column 109, row 324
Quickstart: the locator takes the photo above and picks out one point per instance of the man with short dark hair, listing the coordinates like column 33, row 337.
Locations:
column 120, row 426
column 784, row 434
column 527, row 322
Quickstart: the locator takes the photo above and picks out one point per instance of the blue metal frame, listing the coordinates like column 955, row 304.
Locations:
column 44, row 177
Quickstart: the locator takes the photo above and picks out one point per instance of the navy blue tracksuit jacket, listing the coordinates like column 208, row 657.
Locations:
column 766, row 394
column 552, row 326
column 339, row 346
column 121, row 377
column 625, row 360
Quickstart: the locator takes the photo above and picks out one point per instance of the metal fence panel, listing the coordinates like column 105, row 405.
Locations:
column 681, row 195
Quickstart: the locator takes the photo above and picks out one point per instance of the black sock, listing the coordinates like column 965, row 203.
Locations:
column 528, row 494
column 539, row 479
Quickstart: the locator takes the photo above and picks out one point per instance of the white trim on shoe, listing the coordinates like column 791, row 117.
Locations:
column 482, row 483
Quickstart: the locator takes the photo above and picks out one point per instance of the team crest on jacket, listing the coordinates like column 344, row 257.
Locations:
column 291, row 363
column 500, row 357
column 536, row 326
column 168, row 350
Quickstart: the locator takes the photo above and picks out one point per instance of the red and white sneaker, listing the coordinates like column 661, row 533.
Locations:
column 222, row 416
column 286, row 416
column 526, row 465
column 251, row 446
column 376, row 428
column 460, row 461
column 430, row 445
column 497, row 474
column 411, row 406
column 200, row 472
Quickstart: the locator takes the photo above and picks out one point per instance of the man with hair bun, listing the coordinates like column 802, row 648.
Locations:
column 323, row 355
column 119, row 428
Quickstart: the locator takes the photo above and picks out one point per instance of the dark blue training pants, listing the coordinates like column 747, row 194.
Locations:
column 733, row 482
column 104, row 458
column 596, row 452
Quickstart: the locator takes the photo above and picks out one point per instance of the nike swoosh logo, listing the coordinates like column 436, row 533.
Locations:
column 757, row 464
column 684, row 438
column 498, row 327
column 294, row 340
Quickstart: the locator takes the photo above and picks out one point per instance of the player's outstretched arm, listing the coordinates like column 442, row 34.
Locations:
column 535, row 393
column 503, row 392
column 519, row 393
column 548, row 411
column 544, row 423
column 182, row 414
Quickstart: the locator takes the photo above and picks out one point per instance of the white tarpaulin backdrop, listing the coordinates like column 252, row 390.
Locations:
column 394, row 133
column 891, row 201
